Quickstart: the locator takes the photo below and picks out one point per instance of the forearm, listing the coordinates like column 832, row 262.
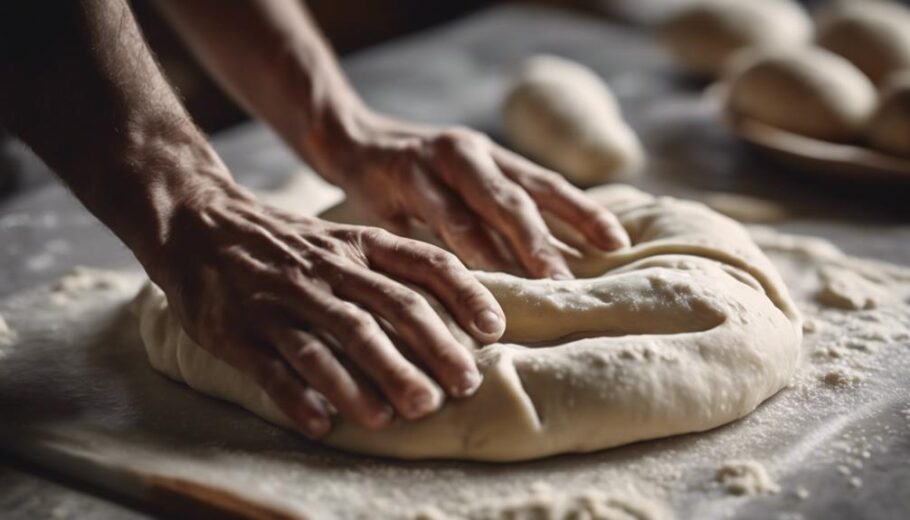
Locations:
column 270, row 56
column 82, row 90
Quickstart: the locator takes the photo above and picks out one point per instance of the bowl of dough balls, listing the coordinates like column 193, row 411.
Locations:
column 827, row 93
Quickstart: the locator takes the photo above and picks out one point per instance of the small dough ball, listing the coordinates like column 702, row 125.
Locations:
column 808, row 91
column 873, row 35
column 703, row 35
column 889, row 130
column 562, row 114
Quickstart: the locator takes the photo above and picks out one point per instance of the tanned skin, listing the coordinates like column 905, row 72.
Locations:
column 295, row 302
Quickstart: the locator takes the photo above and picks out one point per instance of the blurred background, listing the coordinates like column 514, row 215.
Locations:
column 351, row 25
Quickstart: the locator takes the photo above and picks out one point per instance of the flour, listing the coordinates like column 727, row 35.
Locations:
column 84, row 282
column 53, row 250
column 841, row 377
column 544, row 502
column 846, row 289
column 745, row 477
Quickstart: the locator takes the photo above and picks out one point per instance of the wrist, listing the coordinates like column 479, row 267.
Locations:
column 158, row 171
column 339, row 132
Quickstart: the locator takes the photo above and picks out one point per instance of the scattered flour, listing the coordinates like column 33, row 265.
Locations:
column 83, row 281
column 544, row 502
column 745, row 477
column 848, row 290
column 841, row 377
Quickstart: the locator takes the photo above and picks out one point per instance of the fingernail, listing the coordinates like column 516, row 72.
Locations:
column 383, row 417
column 423, row 403
column 619, row 240
column 613, row 237
column 489, row 322
column 468, row 383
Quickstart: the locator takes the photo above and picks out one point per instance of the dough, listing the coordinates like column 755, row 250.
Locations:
column 562, row 114
column 889, row 130
column 704, row 34
column 808, row 91
column 873, row 35
column 688, row 329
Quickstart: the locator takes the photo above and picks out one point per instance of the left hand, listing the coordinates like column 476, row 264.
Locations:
column 473, row 193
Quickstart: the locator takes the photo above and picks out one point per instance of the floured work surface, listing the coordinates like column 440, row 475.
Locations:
column 77, row 393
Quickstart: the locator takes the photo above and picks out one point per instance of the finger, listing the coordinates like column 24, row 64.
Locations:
column 443, row 275
column 551, row 192
column 316, row 363
column 506, row 207
column 409, row 390
column 292, row 396
column 419, row 326
column 457, row 225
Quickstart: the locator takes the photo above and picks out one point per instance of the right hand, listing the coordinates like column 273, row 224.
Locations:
column 295, row 302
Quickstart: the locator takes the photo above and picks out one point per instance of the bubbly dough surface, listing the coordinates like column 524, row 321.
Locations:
column 688, row 329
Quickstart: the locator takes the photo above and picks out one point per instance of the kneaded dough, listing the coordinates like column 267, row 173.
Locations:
column 808, row 91
column 889, row 130
column 873, row 35
column 689, row 328
column 562, row 114
column 702, row 35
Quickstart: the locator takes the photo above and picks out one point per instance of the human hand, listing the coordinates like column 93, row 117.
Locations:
column 299, row 303
column 474, row 194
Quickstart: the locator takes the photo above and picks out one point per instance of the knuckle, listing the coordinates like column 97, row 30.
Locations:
column 554, row 184
column 409, row 304
column 362, row 336
column 443, row 261
column 311, row 353
column 509, row 197
column 374, row 235
column 457, row 137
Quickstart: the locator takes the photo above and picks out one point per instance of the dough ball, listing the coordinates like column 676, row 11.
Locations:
column 562, row 114
column 889, row 130
column 704, row 34
column 808, row 91
column 874, row 36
